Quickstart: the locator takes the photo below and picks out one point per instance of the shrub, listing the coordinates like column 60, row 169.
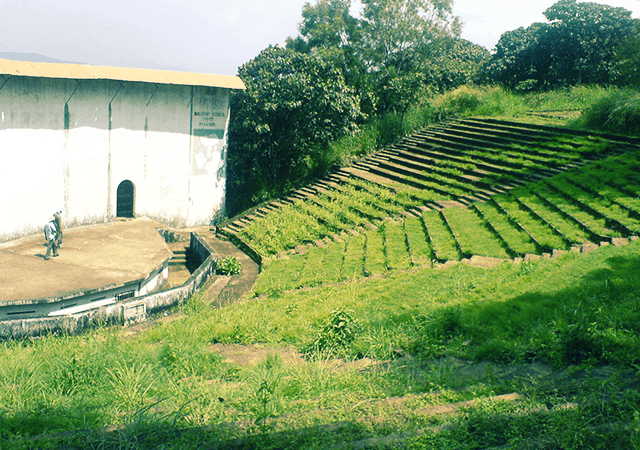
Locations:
column 338, row 332
column 229, row 266
column 618, row 111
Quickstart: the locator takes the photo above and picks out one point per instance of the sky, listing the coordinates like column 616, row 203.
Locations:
column 208, row 36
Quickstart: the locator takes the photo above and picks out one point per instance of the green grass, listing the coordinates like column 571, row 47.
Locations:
column 472, row 235
column 168, row 388
column 515, row 238
column 538, row 230
column 353, row 265
column 375, row 261
column 395, row 242
column 332, row 263
column 570, row 230
column 602, row 206
column 419, row 247
column 596, row 224
column 282, row 230
column 442, row 241
column 374, row 353
column 313, row 272
column 616, row 110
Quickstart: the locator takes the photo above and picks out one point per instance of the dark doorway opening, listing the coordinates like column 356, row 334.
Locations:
column 125, row 200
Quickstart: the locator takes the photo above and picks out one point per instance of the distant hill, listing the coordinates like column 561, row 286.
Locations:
column 32, row 57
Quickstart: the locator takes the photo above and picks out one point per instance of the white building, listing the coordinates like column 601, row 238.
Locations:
column 103, row 142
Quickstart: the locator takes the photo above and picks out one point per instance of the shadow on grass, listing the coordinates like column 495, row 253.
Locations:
column 149, row 433
column 595, row 320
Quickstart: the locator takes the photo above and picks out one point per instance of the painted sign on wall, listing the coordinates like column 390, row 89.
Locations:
column 209, row 118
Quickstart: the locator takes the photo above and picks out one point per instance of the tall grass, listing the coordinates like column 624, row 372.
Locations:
column 616, row 110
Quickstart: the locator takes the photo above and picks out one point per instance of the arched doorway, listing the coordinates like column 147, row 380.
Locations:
column 125, row 199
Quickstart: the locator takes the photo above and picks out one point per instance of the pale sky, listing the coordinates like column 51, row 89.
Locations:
column 210, row 36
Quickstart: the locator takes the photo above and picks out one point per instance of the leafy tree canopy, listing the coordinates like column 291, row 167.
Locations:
column 453, row 63
column 399, row 33
column 627, row 59
column 577, row 45
column 293, row 105
column 385, row 53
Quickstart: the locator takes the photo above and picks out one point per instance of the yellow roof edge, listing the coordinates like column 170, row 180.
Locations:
column 80, row 72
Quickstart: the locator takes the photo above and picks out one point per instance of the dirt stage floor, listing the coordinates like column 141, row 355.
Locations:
column 90, row 258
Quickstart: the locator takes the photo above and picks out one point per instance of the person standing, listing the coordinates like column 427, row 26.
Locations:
column 52, row 239
column 58, row 224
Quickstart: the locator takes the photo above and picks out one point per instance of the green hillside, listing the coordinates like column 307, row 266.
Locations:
column 474, row 286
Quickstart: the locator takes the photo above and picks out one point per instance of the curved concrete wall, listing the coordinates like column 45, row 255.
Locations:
column 68, row 144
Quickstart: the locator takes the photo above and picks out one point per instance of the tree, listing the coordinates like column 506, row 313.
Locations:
column 517, row 58
column 590, row 33
column 382, row 54
column 627, row 60
column 329, row 31
column 578, row 45
column 398, row 36
column 293, row 105
column 453, row 63
column 399, row 33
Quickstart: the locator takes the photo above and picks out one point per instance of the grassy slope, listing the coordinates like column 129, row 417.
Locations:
column 576, row 311
column 560, row 332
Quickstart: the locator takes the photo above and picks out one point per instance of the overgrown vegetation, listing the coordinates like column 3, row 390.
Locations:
column 355, row 334
column 557, row 322
column 382, row 71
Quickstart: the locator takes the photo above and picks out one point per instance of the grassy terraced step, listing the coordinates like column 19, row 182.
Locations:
column 398, row 256
column 442, row 240
column 523, row 134
column 571, row 230
column 472, row 235
column 419, row 176
column 509, row 127
column 505, row 154
column 634, row 143
column 416, row 162
column 416, row 146
column 468, row 169
column 415, row 182
column 516, row 240
column 544, row 142
column 561, row 153
column 489, row 157
column 593, row 184
column 614, row 219
column 394, row 202
column 544, row 237
column 493, row 138
column 595, row 228
column 363, row 207
column 496, row 217
column 429, row 173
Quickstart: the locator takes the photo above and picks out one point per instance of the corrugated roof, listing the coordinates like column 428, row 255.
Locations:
column 87, row 72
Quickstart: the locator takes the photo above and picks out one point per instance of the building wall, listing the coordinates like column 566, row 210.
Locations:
column 67, row 145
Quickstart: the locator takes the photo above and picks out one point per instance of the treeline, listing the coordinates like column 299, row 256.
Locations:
column 342, row 74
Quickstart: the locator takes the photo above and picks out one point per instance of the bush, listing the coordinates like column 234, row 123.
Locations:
column 618, row 111
column 229, row 266
column 339, row 331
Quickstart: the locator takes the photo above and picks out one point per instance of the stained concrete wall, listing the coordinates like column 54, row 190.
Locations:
column 67, row 145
